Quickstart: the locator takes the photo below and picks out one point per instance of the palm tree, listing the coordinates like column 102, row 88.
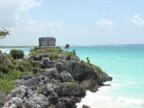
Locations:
column 74, row 52
column 67, row 46
column 88, row 60
column 3, row 33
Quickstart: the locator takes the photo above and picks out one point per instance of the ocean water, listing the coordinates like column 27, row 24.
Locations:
column 7, row 50
column 125, row 63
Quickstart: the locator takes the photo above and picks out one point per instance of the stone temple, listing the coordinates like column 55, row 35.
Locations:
column 47, row 42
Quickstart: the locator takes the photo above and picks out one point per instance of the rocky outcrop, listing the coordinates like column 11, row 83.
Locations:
column 14, row 102
column 89, row 84
column 44, row 91
column 82, row 71
column 61, row 85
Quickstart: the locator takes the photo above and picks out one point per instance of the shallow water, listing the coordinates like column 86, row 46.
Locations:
column 126, row 65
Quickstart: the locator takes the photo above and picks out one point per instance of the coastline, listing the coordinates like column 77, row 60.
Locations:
column 62, row 81
column 126, row 57
column 103, row 99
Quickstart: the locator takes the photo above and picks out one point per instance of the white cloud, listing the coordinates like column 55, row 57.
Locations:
column 16, row 12
column 137, row 20
column 105, row 22
column 26, row 5
column 40, row 25
column 7, row 11
column 22, row 16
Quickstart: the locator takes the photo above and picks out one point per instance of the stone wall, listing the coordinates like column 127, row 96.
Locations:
column 47, row 41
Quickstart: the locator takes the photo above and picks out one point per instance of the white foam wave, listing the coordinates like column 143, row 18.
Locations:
column 130, row 100
column 5, row 50
column 101, row 100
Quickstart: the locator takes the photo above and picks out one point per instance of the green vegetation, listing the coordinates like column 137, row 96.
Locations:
column 6, row 85
column 55, row 53
column 6, row 63
column 98, row 68
column 7, row 80
column 3, row 99
column 3, row 33
column 17, row 54
column 88, row 60
column 13, row 75
column 35, row 52
column 67, row 46
column 11, row 68
column 94, row 66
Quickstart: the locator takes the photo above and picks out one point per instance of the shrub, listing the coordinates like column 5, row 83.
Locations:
column 17, row 54
column 99, row 69
column 13, row 75
column 54, row 57
column 7, row 63
column 6, row 85
column 67, row 46
column 24, row 66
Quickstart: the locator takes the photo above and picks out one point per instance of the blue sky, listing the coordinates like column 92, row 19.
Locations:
column 77, row 22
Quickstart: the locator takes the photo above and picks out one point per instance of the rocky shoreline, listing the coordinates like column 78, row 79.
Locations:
column 61, row 84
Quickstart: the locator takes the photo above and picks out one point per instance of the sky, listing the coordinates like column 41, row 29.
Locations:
column 74, row 22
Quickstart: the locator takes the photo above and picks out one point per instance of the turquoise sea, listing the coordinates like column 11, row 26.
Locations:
column 125, row 63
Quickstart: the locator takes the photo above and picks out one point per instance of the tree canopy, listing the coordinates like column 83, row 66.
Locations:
column 67, row 46
column 3, row 33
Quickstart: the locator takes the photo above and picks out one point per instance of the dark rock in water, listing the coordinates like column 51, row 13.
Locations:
column 86, row 106
column 47, row 41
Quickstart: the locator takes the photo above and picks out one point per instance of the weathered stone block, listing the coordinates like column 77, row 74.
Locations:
column 47, row 41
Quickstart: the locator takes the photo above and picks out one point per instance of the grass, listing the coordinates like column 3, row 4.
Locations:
column 6, row 85
column 13, row 75
column 35, row 52
column 7, row 81
column 55, row 53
